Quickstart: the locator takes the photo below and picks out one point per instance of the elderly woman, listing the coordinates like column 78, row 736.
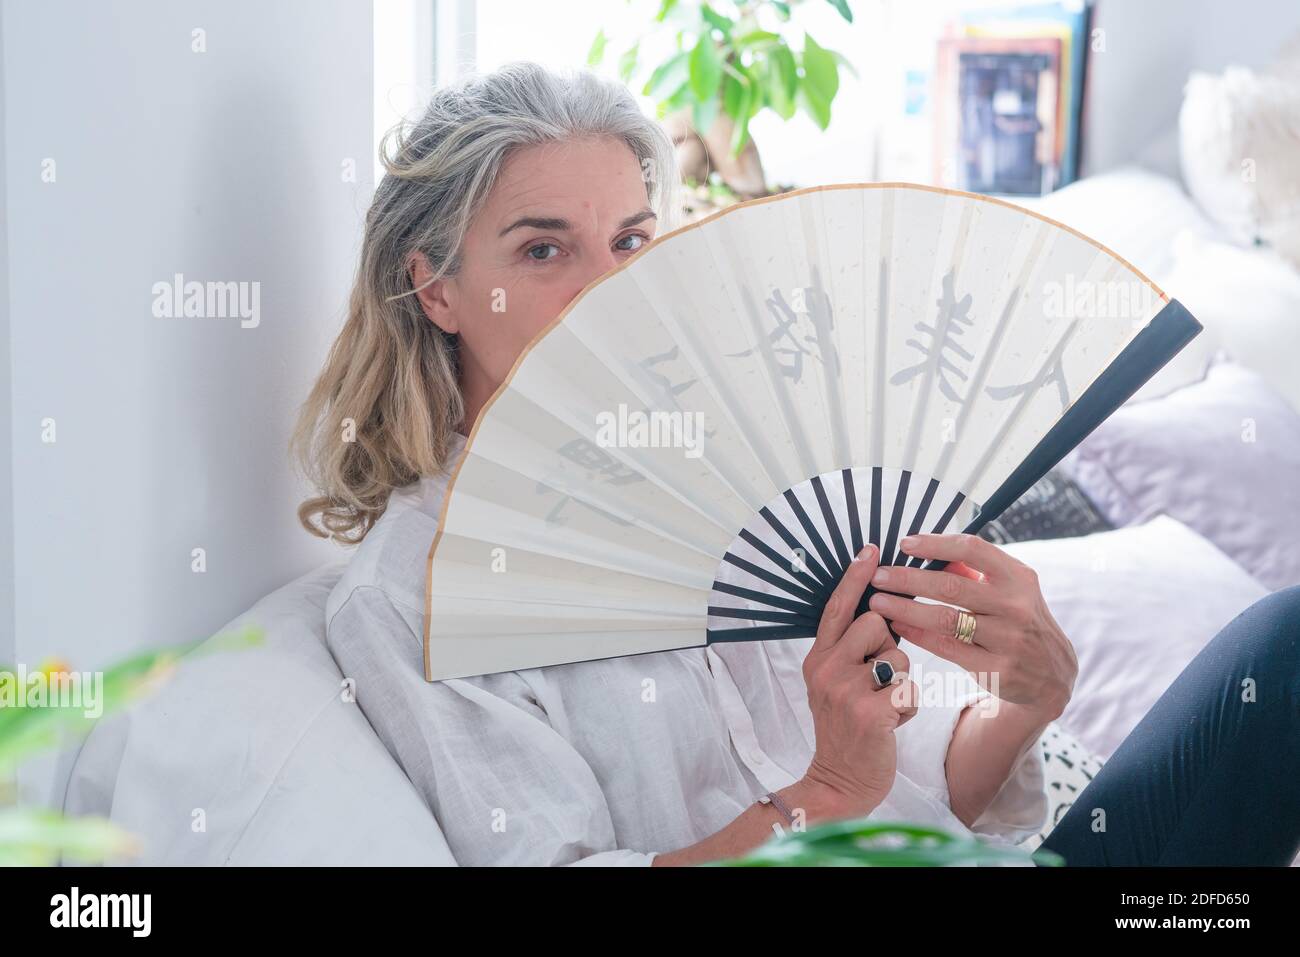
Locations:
column 534, row 184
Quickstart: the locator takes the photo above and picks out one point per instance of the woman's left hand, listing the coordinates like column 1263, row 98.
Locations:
column 1016, row 636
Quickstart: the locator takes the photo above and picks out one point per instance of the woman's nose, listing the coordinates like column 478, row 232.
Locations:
column 596, row 268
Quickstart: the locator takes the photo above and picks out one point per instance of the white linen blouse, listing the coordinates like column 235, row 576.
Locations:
column 612, row 762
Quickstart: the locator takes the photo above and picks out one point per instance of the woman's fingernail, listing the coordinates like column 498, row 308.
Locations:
column 907, row 544
column 866, row 553
column 883, row 576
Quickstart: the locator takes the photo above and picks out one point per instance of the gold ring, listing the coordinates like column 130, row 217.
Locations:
column 965, row 627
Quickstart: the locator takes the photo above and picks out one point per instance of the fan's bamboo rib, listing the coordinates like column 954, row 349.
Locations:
column 924, row 508
column 832, row 525
column 889, row 187
column 754, row 614
column 761, row 633
column 877, row 476
column 792, row 541
column 779, row 561
column 941, row 526
column 763, row 598
column 811, row 531
column 855, row 521
column 764, row 575
column 895, row 518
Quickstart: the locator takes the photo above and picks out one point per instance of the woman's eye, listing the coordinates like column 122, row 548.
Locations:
column 532, row 251
column 640, row 241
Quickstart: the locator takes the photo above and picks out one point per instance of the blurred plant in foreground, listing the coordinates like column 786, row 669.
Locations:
column 37, row 836
column 865, row 843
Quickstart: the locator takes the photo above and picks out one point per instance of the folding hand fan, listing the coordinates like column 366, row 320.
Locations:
column 693, row 451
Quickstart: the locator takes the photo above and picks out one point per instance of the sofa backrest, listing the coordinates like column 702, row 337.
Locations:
column 257, row 756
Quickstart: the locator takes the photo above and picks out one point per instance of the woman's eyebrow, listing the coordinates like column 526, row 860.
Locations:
column 542, row 222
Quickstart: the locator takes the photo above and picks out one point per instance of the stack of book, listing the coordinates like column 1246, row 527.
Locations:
column 1009, row 97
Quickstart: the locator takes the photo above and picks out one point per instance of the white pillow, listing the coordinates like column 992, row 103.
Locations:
column 1249, row 302
column 1138, row 603
column 1222, row 456
column 1132, row 211
column 1240, row 135
column 262, row 748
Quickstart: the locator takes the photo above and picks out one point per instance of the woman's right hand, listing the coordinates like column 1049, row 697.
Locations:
column 856, row 756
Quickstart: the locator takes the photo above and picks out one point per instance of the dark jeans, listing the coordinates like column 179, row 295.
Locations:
column 1209, row 776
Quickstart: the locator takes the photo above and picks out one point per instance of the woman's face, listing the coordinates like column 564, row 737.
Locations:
column 559, row 216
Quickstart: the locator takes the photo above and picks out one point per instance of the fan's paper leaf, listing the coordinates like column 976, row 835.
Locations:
column 696, row 447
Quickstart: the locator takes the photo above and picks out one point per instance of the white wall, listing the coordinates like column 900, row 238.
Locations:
column 1135, row 86
column 6, row 409
column 224, row 165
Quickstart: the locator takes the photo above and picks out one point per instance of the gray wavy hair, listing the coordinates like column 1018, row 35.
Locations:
column 382, row 412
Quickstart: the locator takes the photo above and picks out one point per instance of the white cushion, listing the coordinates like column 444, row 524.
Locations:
column 1249, row 302
column 1222, row 456
column 262, row 747
column 1240, row 135
column 1103, row 208
column 1138, row 603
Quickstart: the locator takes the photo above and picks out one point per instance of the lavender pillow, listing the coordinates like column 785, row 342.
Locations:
column 1221, row 455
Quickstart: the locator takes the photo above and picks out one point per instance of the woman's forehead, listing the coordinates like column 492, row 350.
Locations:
column 583, row 182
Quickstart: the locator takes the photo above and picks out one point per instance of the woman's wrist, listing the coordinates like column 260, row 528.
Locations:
column 818, row 801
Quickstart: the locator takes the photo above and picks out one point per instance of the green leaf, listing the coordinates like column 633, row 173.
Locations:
column 782, row 78
column 627, row 62
column 865, row 843
column 717, row 20
column 25, row 730
column 820, row 70
column 596, row 53
column 782, row 8
column 816, row 108
column 670, row 75
column 740, row 133
column 664, row 7
column 844, row 61
column 750, row 102
column 706, row 69
column 703, row 114
column 843, row 7
column 733, row 94
column 36, row 837
column 755, row 37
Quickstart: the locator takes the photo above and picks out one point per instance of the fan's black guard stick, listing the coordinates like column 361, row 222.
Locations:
column 1153, row 347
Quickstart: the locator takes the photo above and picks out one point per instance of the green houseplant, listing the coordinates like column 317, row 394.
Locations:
column 32, row 722
column 729, row 60
column 866, row 843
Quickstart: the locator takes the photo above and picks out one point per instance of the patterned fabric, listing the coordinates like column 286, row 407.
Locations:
column 1068, row 767
column 1055, row 507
